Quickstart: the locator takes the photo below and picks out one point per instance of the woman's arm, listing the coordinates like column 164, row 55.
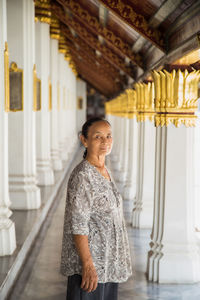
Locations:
column 89, row 275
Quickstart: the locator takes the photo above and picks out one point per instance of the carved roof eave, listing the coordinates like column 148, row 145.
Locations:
column 136, row 21
column 111, row 57
column 112, row 70
column 93, row 24
column 105, row 87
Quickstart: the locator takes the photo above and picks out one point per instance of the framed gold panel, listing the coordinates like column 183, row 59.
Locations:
column 6, row 78
column 50, row 95
column 80, row 103
column 58, row 96
column 64, row 99
column 36, row 91
column 16, row 88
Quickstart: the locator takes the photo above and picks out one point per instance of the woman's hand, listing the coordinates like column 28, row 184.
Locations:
column 89, row 274
column 89, row 277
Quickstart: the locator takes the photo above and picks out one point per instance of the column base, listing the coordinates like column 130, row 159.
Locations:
column 24, row 194
column 56, row 161
column 63, row 150
column 121, row 176
column 129, row 192
column 116, row 167
column 180, row 267
column 135, row 217
column 113, row 157
column 143, row 214
column 45, row 175
column 7, row 237
column 57, row 164
column 142, row 219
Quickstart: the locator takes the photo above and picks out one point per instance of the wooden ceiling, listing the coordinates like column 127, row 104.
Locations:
column 114, row 43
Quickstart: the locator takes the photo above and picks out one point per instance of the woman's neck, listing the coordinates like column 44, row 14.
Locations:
column 97, row 161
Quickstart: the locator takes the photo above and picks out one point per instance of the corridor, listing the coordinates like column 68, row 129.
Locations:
column 40, row 278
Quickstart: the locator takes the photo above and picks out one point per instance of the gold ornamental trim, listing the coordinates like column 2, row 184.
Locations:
column 54, row 28
column 37, row 91
column 123, row 105
column 142, row 117
column 84, row 16
column 35, row 106
column 64, row 99
column 80, row 103
column 6, row 78
column 177, row 120
column 50, row 95
column 62, row 46
column 136, row 21
column 58, row 96
column 132, row 106
column 145, row 101
column 43, row 11
column 176, row 96
column 16, row 88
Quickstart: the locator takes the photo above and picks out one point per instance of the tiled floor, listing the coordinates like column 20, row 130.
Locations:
column 40, row 278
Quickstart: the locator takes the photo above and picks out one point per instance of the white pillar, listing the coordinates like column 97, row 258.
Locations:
column 124, row 155
column 197, row 175
column 61, row 112
column 24, row 193
column 116, row 142
column 143, row 206
column 174, row 256
column 130, row 185
column 55, row 153
column 81, row 111
column 43, row 135
column 7, row 227
column 73, row 134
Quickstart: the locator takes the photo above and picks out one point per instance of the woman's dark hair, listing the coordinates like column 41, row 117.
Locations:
column 86, row 127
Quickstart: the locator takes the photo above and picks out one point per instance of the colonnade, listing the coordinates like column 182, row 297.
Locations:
column 162, row 179
column 38, row 108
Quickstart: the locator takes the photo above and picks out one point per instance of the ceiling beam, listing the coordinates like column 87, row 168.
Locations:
column 136, row 21
column 99, row 82
column 93, row 42
column 92, row 63
column 96, row 27
column 111, row 57
column 84, row 47
column 162, row 13
column 103, row 15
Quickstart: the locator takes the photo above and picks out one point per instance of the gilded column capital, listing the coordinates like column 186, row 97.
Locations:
column 73, row 67
column 132, row 110
column 62, row 44
column 43, row 11
column 54, row 28
column 145, row 101
column 176, row 96
column 124, row 105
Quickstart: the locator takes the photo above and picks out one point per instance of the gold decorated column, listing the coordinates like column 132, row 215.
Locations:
column 42, row 92
column 130, row 184
column 173, row 256
column 143, row 204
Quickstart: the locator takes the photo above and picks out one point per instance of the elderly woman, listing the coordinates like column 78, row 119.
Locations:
column 95, row 250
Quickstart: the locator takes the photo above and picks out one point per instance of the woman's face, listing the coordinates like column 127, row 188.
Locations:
column 99, row 140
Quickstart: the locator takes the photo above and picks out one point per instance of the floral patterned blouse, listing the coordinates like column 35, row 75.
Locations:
column 94, row 208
